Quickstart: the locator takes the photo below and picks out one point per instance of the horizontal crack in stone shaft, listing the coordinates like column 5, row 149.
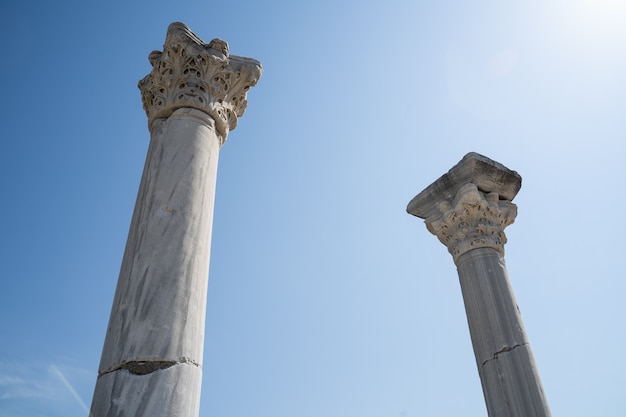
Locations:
column 503, row 350
column 144, row 367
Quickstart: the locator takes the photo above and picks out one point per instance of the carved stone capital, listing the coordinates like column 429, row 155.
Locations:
column 469, row 206
column 189, row 73
column 473, row 219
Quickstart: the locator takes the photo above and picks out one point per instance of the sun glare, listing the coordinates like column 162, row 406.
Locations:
column 592, row 30
column 601, row 15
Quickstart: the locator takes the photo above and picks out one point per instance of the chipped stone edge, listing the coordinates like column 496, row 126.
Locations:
column 147, row 366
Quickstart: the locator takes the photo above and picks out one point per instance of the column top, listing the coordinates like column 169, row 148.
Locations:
column 190, row 73
column 488, row 175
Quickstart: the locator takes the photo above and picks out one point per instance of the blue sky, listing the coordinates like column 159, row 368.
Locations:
column 325, row 298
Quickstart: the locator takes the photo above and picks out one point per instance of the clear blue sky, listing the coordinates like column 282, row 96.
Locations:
column 325, row 298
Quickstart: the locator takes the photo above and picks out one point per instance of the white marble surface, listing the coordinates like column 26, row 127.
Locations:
column 152, row 356
column 468, row 209
column 159, row 305
column 158, row 312
column 509, row 376
column 174, row 391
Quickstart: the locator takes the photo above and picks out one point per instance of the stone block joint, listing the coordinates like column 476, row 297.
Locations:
column 505, row 349
column 147, row 366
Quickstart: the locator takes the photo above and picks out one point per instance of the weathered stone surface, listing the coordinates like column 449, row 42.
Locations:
column 494, row 320
column 509, row 376
column 472, row 219
column 159, row 304
column 158, row 314
column 152, row 355
column 468, row 209
column 489, row 177
column 192, row 74
column 174, row 391
column 512, row 386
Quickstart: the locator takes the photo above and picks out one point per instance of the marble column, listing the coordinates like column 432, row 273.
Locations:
column 468, row 209
column 151, row 361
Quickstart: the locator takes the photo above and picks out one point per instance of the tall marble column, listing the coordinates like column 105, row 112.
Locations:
column 151, row 361
column 468, row 209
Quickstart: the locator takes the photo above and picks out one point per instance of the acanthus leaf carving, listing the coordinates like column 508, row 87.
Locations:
column 473, row 219
column 189, row 73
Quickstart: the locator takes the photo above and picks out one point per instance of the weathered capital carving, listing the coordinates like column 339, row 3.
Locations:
column 469, row 206
column 471, row 220
column 192, row 74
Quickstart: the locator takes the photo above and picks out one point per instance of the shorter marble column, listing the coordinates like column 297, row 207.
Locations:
column 468, row 209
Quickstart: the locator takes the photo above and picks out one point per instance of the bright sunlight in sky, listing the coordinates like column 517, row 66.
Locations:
column 326, row 299
column 600, row 17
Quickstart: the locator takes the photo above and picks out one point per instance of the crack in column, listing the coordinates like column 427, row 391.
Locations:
column 505, row 349
column 145, row 367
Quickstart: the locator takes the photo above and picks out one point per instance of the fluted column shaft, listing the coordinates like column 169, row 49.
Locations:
column 151, row 361
column 468, row 209
column 507, row 369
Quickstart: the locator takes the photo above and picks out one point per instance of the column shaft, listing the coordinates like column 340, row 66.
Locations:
column 153, row 348
column 506, row 366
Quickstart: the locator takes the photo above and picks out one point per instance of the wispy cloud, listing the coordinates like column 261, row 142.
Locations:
column 69, row 386
column 39, row 389
column 18, row 382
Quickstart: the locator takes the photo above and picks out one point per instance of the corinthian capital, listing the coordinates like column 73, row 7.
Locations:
column 470, row 206
column 189, row 73
column 472, row 220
